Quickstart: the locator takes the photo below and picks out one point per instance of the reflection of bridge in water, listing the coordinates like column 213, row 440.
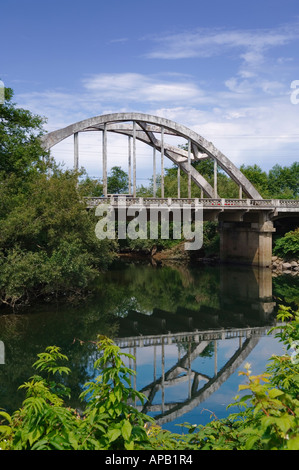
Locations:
column 195, row 343
column 244, row 315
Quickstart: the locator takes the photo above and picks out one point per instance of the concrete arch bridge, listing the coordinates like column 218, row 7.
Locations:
column 245, row 224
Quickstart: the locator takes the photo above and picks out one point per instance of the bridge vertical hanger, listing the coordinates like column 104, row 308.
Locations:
column 2, row 353
column 104, row 157
column 155, row 362
column 215, row 179
column 190, row 372
column 154, row 173
column 76, row 151
column 162, row 161
column 134, row 158
column 129, row 165
column 162, row 376
column 189, row 168
column 179, row 182
column 215, row 359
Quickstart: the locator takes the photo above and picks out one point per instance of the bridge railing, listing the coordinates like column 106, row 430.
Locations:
column 196, row 336
column 205, row 203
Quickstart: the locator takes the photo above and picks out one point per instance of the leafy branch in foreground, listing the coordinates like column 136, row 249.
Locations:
column 109, row 421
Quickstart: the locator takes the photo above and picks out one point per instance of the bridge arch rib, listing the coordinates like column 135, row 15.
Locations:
column 145, row 127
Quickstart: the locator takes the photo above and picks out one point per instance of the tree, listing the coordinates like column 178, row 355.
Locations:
column 257, row 177
column 284, row 181
column 89, row 187
column 20, row 149
column 48, row 245
column 117, row 181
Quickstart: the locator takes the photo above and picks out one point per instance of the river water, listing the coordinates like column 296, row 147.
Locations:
column 191, row 330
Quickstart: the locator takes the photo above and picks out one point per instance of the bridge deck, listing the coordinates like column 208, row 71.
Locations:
column 196, row 336
column 282, row 205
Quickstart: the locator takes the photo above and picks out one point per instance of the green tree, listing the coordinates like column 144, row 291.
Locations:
column 288, row 246
column 48, row 242
column 48, row 245
column 284, row 181
column 20, row 149
column 90, row 187
column 117, row 181
column 257, row 177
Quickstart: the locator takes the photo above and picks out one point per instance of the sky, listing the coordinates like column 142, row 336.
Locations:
column 222, row 68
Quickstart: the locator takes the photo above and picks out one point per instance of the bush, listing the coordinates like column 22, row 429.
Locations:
column 48, row 245
column 288, row 246
column 44, row 422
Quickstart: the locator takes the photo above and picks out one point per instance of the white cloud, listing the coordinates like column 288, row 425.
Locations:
column 206, row 42
column 246, row 110
column 254, row 57
column 264, row 132
column 141, row 88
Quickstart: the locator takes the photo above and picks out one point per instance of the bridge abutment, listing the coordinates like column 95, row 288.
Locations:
column 246, row 242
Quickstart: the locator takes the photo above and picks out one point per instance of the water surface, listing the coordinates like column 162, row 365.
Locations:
column 191, row 330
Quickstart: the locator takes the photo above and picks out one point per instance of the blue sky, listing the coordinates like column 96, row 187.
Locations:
column 222, row 68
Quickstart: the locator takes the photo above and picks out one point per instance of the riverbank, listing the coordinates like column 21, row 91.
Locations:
column 282, row 266
column 179, row 254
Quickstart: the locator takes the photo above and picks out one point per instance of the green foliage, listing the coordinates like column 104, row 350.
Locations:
column 257, row 177
column 211, row 238
column 47, row 242
column 44, row 422
column 20, row 150
column 288, row 246
column 286, row 289
column 110, row 397
column 145, row 242
column 89, row 187
column 268, row 418
column 117, row 181
column 48, row 245
column 283, row 182
column 278, row 183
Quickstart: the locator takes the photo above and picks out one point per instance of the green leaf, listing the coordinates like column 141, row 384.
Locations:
column 113, row 434
column 267, row 421
column 6, row 416
column 293, row 444
column 285, row 423
column 250, row 441
column 5, row 430
column 126, row 430
column 274, row 392
column 129, row 445
column 43, row 444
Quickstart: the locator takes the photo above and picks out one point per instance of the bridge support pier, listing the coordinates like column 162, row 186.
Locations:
column 247, row 242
